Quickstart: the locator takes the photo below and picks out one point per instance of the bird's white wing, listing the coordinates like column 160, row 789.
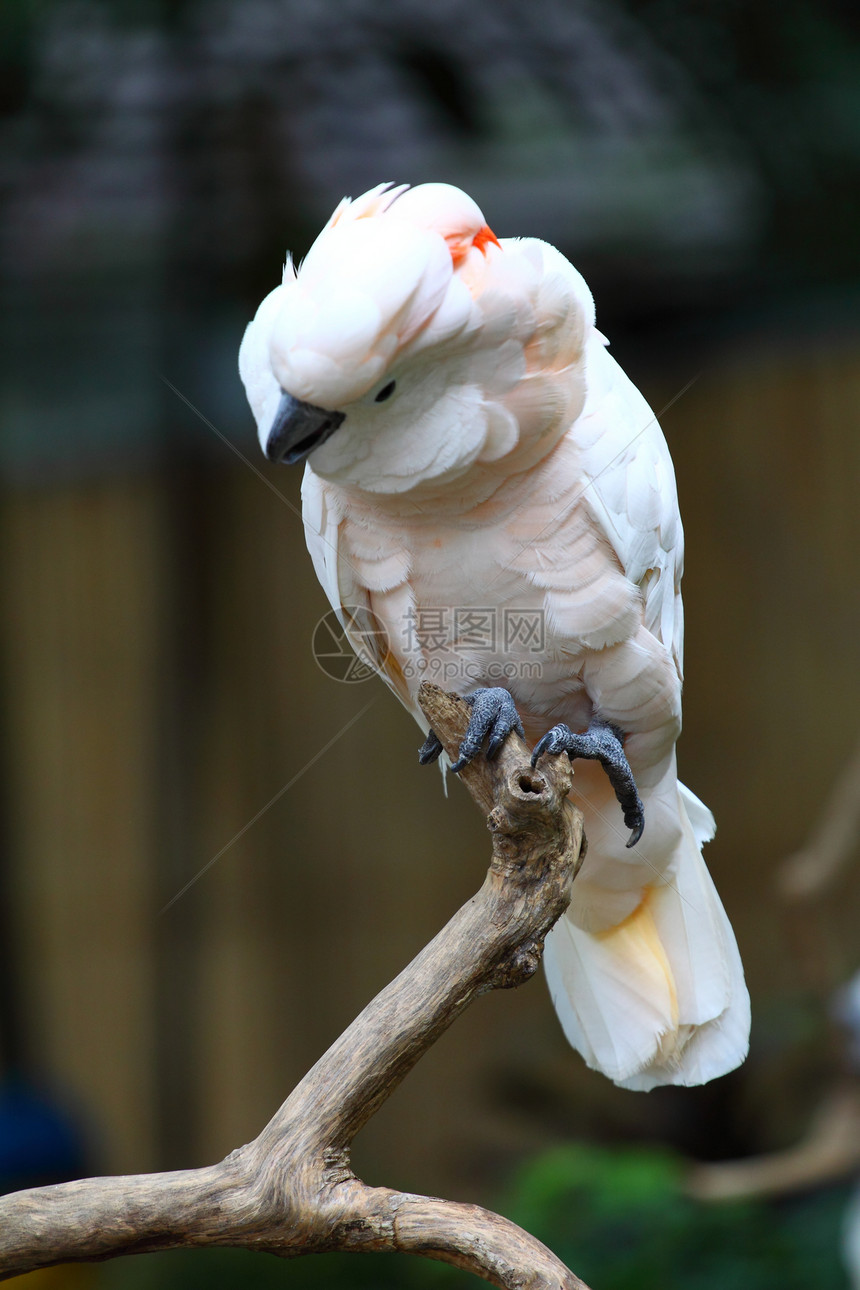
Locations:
column 321, row 515
column 358, row 576
column 630, row 490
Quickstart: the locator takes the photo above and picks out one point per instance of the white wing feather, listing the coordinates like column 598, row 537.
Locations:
column 344, row 582
column 631, row 492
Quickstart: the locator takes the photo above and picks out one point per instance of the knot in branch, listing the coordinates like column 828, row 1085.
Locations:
column 522, row 963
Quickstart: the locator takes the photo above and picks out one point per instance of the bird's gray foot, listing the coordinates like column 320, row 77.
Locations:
column 601, row 742
column 494, row 716
column 430, row 749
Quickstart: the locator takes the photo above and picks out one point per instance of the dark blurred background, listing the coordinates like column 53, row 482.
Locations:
column 163, row 711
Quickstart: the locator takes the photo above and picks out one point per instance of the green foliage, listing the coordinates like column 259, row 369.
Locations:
column 618, row 1218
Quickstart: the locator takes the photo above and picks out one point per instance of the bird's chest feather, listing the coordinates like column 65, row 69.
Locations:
column 515, row 592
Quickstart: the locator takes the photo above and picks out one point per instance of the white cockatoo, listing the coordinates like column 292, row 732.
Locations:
column 486, row 486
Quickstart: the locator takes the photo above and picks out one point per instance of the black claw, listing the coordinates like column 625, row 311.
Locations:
column 638, row 830
column 601, row 742
column 553, row 742
column 430, row 750
column 493, row 714
column 498, row 735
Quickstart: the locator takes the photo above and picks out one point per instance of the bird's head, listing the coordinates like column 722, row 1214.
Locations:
column 375, row 360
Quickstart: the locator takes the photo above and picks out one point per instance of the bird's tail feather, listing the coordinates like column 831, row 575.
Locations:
column 659, row 998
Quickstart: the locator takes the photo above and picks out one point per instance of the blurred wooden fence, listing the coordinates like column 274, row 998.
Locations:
column 159, row 691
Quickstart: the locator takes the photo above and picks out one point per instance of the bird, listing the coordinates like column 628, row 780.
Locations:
column 485, row 485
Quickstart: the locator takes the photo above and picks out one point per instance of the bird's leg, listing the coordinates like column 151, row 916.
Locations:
column 493, row 715
column 601, row 742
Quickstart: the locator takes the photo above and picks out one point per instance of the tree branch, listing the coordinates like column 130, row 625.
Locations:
column 828, row 1152
column 291, row 1191
column 832, row 843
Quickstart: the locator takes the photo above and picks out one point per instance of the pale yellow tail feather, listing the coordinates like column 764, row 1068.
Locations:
column 660, row 998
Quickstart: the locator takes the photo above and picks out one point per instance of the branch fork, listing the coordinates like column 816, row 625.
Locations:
column 292, row 1191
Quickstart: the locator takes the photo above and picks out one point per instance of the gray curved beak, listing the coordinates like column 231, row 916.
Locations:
column 298, row 428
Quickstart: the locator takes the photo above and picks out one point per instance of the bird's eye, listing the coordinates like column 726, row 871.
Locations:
column 386, row 392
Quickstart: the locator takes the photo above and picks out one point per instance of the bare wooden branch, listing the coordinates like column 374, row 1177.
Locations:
column 829, row 1152
column 292, row 1191
column 833, row 842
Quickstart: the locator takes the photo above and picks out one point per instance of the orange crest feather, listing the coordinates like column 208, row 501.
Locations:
column 460, row 249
